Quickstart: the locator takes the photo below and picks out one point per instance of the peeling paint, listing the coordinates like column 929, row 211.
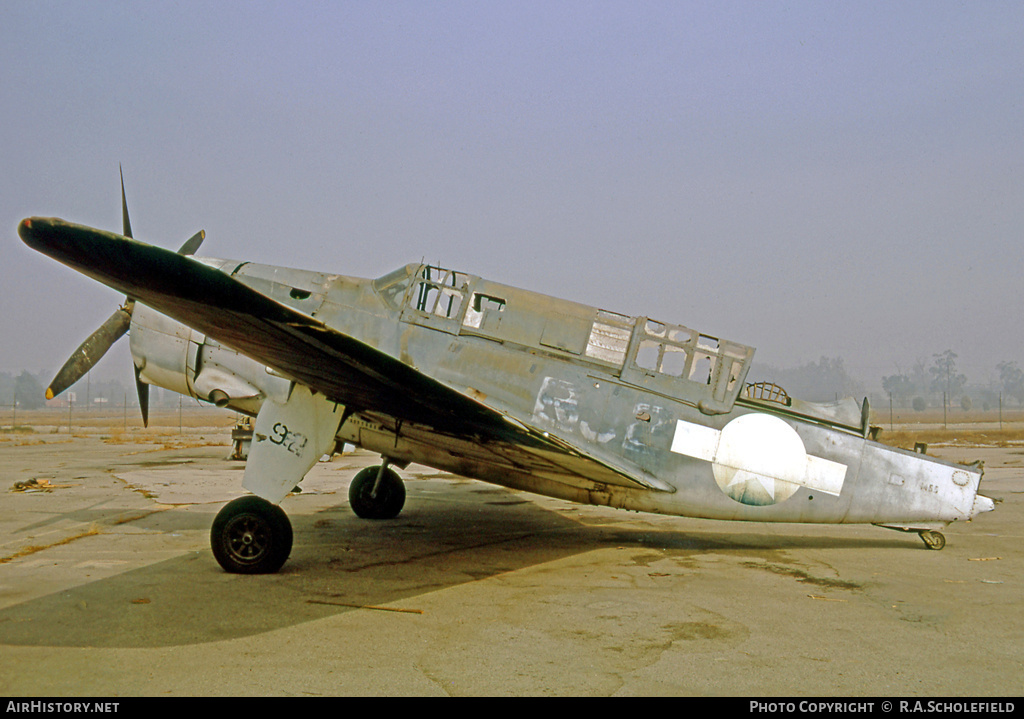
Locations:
column 557, row 404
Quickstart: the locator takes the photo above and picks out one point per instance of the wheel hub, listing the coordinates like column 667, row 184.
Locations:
column 248, row 538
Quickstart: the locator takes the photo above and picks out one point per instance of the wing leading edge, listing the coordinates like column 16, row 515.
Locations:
column 301, row 347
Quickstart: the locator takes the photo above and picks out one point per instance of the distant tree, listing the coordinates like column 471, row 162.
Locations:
column 945, row 376
column 111, row 390
column 6, row 388
column 29, row 391
column 820, row 381
column 966, row 403
column 907, row 384
column 1011, row 380
column 919, row 404
column 899, row 386
column 919, row 375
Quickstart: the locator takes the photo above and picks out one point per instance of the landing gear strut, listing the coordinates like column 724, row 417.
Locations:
column 377, row 493
column 932, row 539
column 251, row 536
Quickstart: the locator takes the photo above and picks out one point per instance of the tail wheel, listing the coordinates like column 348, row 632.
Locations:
column 251, row 536
column 933, row 540
column 371, row 499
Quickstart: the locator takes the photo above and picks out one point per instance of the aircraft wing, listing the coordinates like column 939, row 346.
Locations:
column 303, row 348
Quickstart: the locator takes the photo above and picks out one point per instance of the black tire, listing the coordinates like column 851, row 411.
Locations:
column 251, row 536
column 390, row 496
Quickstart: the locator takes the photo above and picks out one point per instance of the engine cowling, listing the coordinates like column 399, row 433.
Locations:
column 171, row 355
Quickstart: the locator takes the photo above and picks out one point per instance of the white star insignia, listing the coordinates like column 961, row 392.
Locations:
column 758, row 459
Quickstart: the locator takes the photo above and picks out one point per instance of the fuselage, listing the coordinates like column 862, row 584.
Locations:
column 660, row 402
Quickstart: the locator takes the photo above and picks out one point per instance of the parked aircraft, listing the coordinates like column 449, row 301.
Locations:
column 440, row 367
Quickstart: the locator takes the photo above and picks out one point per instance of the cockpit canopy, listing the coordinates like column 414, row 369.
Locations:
column 659, row 356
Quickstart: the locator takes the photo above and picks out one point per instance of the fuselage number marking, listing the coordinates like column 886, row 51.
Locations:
column 294, row 442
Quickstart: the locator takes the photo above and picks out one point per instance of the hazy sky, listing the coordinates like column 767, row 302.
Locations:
column 810, row 178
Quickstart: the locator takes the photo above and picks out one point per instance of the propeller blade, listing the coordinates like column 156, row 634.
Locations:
column 192, row 243
column 125, row 222
column 143, row 391
column 97, row 344
column 90, row 351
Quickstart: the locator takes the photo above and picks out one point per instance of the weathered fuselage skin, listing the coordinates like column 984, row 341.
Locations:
column 657, row 401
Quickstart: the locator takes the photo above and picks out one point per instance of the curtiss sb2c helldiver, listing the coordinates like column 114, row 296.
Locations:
column 490, row 382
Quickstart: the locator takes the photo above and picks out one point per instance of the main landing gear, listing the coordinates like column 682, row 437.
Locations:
column 377, row 493
column 252, row 536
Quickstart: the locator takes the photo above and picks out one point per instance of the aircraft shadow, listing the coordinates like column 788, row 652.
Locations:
column 340, row 563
